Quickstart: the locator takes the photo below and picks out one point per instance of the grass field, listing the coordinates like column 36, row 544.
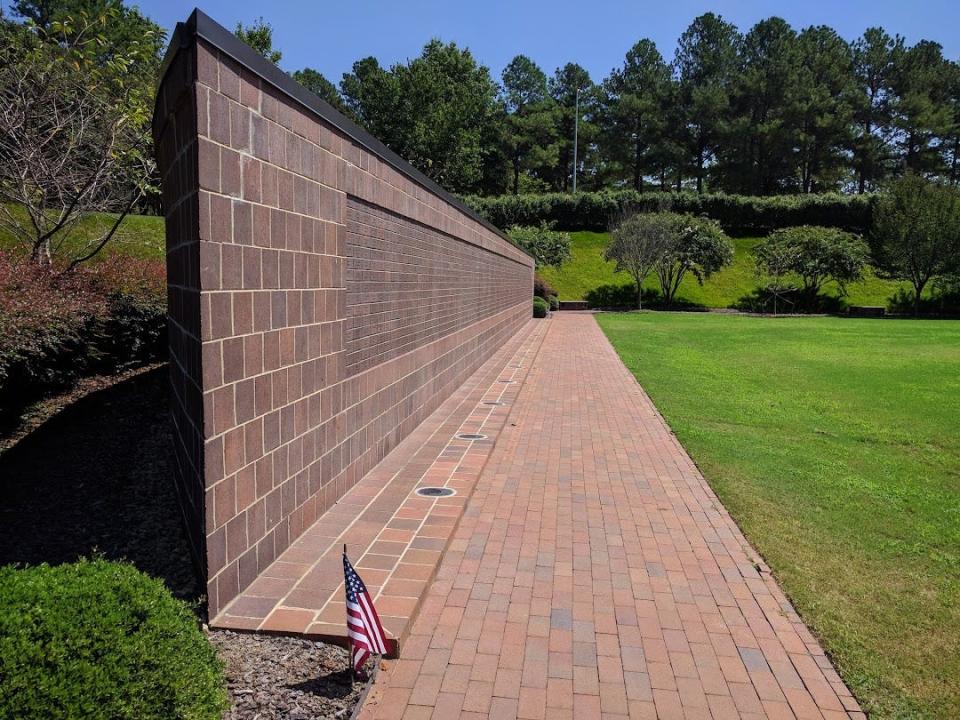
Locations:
column 587, row 270
column 834, row 443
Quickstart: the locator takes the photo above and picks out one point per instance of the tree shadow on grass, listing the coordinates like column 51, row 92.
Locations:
column 624, row 297
column 788, row 301
column 97, row 478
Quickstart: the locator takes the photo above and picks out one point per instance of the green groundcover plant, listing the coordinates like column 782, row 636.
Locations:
column 100, row 640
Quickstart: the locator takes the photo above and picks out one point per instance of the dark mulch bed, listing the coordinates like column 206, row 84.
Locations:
column 90, row 472
column 279, row 677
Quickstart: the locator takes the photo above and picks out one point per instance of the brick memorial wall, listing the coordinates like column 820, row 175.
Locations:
column 324, row 298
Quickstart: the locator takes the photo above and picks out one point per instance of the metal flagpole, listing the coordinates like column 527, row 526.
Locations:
column 576, row 128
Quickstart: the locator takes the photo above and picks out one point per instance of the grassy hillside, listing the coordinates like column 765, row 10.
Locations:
column 587, row 271
column 833, row 444
column 140, row 236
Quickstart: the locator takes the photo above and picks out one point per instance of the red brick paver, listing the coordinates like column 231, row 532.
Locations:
column 395, row 537
column 596, row 575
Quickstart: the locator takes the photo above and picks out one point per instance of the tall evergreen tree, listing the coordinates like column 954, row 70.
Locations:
column 563, row 88
column 315, row 82
column 921, row 112
column 823, row 101
column 759, row 143
column 530, row 129
column 874, row 57
column 705, row 64
column 951, row 141
column 633, row 109
column 434, row 110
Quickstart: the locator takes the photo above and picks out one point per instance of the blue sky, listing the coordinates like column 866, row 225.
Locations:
column 329, row 36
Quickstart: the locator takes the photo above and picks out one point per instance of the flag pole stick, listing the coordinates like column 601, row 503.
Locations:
column 353, row 672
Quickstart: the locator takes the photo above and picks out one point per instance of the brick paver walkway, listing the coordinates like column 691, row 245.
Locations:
column 595, row 574
column 394, row 537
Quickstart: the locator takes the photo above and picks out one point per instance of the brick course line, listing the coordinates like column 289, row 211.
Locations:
column 391, row 533
column 595, row 574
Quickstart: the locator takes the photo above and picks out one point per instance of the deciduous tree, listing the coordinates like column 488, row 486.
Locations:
column 638, row 242
column 916, row 232
column 259, row 36
column 546, row 245
column 697, row 246
column 74, row 131
column 817, row 255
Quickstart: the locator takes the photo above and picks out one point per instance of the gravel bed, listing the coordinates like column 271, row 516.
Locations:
column 271, row 677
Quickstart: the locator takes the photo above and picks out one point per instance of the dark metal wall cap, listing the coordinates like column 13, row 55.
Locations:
column 201, row 25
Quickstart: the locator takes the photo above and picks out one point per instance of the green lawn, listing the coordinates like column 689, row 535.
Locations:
column 138, row 236
column 587, row 270
column 834, row 443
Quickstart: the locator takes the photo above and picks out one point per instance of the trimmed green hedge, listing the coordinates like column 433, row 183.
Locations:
column 737, row 214
column 540, row 307
column 98, row 640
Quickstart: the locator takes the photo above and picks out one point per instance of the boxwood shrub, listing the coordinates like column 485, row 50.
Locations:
column 737, row 214
column 100, row 640
column 540, row 307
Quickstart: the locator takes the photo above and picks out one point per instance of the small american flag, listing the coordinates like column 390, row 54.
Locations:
column 363, row 626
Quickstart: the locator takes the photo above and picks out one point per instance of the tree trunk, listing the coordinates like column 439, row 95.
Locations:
column 953, row 163
column 41, row 253
column 637, row 157
column 867, row 130
column 639, row 294
column 700, row 172
column 516, row 177
column 918, row 286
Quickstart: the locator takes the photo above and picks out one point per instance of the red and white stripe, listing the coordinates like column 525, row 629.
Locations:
column 363, row 626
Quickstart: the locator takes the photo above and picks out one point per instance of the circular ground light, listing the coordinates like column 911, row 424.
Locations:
column 505, row 382
column 471, row 436
column 435, row 492
column 493, row 402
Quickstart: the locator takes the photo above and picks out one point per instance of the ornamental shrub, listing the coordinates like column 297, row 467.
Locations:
column 546, row 245
column 554, row 302
column 57, row 326
column 541, row 288
column 540, row 307
column 98, row 640
column 816, row 255
column 737, row 214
